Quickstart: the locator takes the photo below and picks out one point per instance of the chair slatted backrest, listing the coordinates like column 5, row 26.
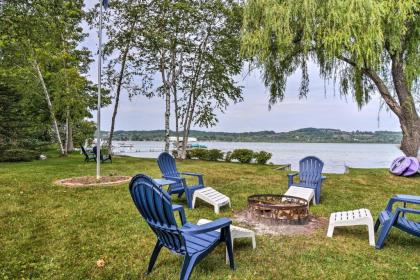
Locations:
column 84, row 151
column 167, row 165
column 310, row 169
column 154, row 204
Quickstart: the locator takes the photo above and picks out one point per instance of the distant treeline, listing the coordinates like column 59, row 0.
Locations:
column 304, row 135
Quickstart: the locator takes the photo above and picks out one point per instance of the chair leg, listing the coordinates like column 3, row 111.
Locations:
column 386, row 228
column 227, row 253
column 187, row 267
column 229, row 247
column 377, row 224
column 188, row 195
column 317, row 195
column 154, row 256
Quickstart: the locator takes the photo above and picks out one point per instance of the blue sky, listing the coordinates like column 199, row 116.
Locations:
column 317, row 110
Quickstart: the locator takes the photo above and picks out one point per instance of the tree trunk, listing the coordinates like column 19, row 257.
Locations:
column 167, row 116
column 176, row 118
column 48, row 99
column 404, row 109
column 66, row 141
column 70, row 144
column 187, row 127
column 117, row 96
column 409, row 119
column 410, row 143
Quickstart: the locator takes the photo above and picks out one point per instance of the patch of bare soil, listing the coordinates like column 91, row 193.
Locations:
column 87, row 181
column 264, row 228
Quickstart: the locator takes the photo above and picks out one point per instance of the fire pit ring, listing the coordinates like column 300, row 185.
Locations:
column 278, row 209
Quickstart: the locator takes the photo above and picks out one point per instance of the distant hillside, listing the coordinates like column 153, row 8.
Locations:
column 304, row 135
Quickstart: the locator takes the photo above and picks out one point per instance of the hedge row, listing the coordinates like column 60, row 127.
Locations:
column 14, row 155
column 240, row 155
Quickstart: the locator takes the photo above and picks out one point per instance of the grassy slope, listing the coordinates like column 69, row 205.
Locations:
column 54, row 232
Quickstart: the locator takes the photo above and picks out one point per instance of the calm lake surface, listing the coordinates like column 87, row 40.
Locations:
column 335, row 156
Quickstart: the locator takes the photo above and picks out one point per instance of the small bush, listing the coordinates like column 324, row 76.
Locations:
column 243, row 155
column 198, row 154
column 228, row 156
column 214, row 155
column 14, row 155
column 188, row 154
column 262, row 157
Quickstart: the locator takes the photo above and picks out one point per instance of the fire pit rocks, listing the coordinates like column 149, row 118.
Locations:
column 278, row 209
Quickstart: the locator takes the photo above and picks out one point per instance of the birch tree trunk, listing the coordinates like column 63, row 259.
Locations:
column 48, row 99
column 117, row 96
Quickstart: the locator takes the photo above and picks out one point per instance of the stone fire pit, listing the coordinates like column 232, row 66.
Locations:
column 278, row 209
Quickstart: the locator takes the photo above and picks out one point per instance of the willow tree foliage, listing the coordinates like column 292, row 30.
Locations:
column 369, row 46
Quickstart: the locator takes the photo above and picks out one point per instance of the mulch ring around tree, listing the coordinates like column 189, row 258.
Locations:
column 262, row 228
column 89, row 181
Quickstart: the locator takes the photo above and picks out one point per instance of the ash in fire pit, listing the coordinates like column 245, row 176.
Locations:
column 278, row 209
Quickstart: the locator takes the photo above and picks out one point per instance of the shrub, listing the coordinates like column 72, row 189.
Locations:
column 199, row 154
column 14, row 155
column 262, row 157
column 228, row 156
column 214, row 155
column 243, row 155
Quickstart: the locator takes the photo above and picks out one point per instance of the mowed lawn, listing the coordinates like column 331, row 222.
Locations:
column 51, row 232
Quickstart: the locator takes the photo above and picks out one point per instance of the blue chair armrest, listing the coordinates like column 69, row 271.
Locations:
column 407, row 210
column 415, row 199
column 217, row 224
column 191, row 174
column 402, row 198
column 174, row 178
column 180, row 209
column 198, row 175
column 290, row 178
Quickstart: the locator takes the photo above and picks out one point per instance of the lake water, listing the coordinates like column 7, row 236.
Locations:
column 334, row 155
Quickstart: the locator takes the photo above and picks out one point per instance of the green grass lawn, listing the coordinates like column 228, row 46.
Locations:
column 50, row 232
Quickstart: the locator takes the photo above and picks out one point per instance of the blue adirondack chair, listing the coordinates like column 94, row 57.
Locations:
column 192, row 241
column 388, row 218
column 88, row 155
column 310, row 169
column 102, row 156
column 169, row 171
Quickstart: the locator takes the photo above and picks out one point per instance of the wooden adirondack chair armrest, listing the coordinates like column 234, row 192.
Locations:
column 181, row 211
column 407, row 210
column 198, row 175
column 212, row 226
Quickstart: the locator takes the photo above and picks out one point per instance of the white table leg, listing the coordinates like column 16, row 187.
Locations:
column 330, row 231
column 371, row 232
column 254, row 242
column 193, row 202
